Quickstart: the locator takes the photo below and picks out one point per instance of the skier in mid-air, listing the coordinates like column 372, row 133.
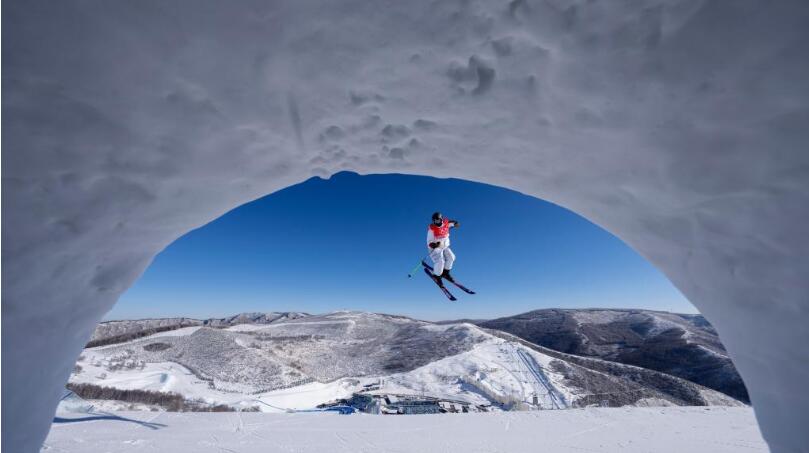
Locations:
column 438, row 245
column 441, row 254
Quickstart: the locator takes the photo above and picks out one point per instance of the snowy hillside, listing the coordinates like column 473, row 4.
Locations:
column 303, row 362
column 110, row 332
column 111, row 329
column 682, row 345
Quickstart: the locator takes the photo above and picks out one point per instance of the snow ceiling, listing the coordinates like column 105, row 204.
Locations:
column 680, row 126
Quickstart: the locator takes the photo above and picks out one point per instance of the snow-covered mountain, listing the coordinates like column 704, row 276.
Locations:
column 299, row 362
column 682, row 345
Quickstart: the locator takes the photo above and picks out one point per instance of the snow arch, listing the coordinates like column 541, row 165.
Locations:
column 680, row 126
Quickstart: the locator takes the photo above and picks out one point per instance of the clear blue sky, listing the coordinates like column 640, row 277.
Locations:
column 347, row 243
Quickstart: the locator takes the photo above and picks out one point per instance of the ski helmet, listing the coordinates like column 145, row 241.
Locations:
column 438, row 219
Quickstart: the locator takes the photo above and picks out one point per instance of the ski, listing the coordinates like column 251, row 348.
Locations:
column 462, row 287
column 442, row 287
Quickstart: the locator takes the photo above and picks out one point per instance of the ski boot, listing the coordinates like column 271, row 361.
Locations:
column 437, row 279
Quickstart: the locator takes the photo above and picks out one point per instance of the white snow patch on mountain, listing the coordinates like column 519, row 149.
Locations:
column 175, row 333
column 597, row 316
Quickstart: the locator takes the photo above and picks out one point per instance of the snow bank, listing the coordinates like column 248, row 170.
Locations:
column 678, row 125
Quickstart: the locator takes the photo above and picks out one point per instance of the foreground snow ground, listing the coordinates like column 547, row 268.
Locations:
column 669, row 429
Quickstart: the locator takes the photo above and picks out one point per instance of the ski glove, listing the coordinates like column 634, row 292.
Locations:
column 457, row 223
column 434, row 244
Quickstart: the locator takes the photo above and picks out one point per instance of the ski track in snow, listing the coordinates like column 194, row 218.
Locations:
column 541, row 379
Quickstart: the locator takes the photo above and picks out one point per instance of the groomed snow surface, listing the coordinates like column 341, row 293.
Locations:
column 625, row 430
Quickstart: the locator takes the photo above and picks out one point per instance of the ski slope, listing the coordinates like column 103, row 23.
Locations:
column 543, row 385
column 626, row 430
column 492, row 372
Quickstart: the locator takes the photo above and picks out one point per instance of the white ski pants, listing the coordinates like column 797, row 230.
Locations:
column 442, row 259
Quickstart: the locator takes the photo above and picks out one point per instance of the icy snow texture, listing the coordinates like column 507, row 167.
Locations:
column 680, row 126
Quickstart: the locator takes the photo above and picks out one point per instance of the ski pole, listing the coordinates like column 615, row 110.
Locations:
column 417, row 266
